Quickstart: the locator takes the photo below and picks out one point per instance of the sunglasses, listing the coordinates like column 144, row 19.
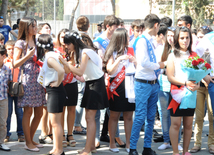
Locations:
column 1, row 17
column 206, row 28
column 171, row 28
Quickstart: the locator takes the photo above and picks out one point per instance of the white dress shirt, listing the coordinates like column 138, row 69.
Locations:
column 203, row 45
column 145, row 68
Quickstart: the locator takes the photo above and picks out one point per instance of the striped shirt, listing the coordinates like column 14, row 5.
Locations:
column 5, row 77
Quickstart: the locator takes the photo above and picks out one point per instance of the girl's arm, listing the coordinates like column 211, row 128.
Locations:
column 52, row 63
column 112, row 65
column 78, row 71
column 20, row 61
column 171, row 72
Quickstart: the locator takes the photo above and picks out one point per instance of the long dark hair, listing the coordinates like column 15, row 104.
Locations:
column 176, row 42
column 24, row 29
column 167, row 46
column 74, row 38
column 87, row 40
column 117, row 43
column 44, row 44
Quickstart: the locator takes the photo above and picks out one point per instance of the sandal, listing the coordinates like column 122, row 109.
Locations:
column 195, row 149
column 64, row 142
column 71, row 142
column 45, row 139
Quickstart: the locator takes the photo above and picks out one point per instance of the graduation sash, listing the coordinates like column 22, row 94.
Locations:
column 151, row 52
column 102, row 42
column 111, row 87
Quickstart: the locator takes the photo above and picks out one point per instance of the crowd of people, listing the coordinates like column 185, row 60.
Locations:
column 115, row 74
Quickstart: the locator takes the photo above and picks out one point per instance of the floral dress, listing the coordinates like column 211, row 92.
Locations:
column 34, row 93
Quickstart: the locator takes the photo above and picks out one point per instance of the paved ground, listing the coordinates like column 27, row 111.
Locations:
column 17, row 148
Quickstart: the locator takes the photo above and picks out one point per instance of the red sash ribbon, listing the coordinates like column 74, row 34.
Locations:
column 68, row 79
column 40, row 63
column 173, row 104
column 115, row 83
column 111, row 88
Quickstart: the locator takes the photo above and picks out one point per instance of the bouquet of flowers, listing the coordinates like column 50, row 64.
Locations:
column 196, row 69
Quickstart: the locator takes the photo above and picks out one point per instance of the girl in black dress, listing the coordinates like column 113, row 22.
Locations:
column 117, row 57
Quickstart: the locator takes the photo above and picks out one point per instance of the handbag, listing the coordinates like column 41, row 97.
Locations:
column 16, row 88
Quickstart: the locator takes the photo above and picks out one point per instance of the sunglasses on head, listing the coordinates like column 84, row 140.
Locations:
column 1, row 17
column 206, row 28
column 171, row 28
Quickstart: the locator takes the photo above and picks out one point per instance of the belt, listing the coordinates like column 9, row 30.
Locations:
column 146, row 81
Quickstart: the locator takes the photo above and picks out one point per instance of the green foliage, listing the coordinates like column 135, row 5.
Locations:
column 199, row 10
column 21, row 4
column 49, row 9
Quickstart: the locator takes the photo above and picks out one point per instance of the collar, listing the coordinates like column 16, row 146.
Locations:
column 83, row 32
column 148, row 36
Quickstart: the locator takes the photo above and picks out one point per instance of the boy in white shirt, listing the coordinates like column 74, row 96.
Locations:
column 146, row 85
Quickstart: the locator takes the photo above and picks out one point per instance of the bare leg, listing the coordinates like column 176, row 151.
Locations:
column 174, row 132
column 128, row 126
column 55, row 119
column 70, row 120
column 187, row 122
column 91, row 131
column 26, row 126
column 35, row 122
column 112, row 127
column 44, row 122
column 62, row 123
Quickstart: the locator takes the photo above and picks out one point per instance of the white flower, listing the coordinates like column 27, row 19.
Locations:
column 39, row 45
column 77, row 37
column 67, row 33
column 43, row 46
column 74, row 34
column 48, row 45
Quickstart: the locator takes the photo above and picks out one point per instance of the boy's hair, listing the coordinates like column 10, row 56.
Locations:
column 111, row 20
column 3, row 51
column 137, row 23
column 163, row 29
column 205, row 29
column 186, row 18
column 10, row 42
column 1, row 37
column 82, row 23
column 142, row 24
column 15, row 26
column 167, row 21
column 120, row 20
column 194, row 31
column 150, row 20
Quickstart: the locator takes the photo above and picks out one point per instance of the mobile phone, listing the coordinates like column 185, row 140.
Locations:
column 31, row 48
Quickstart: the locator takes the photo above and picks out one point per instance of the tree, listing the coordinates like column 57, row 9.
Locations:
column 113, row 6
column 72, row 15
column 3, row 11
column 27, row 8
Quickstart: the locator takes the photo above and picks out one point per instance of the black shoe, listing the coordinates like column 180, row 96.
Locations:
column 133, row 152
column 121, row 118
column 105, row 138
column 148, row 152
column 159, row 139
column 156, row 134
column 142, row 128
